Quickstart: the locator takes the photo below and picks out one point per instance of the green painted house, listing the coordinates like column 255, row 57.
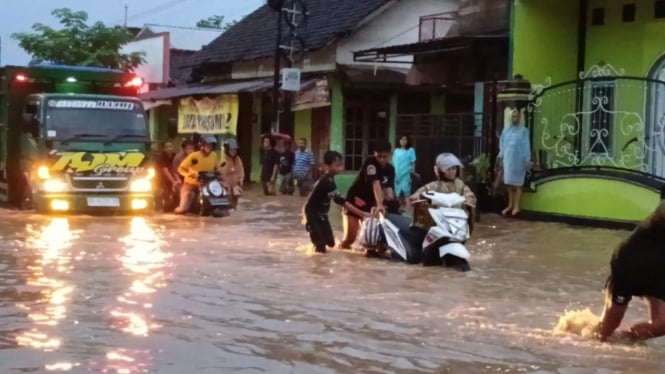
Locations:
column 597, row 105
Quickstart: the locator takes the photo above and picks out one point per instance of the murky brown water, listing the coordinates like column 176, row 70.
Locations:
column 170, row 295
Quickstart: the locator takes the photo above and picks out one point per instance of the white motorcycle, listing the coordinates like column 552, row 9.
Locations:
column 443, row 244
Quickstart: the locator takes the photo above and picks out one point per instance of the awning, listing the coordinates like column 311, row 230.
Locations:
column 392, row 54
column 147, row 105
column 207, row 89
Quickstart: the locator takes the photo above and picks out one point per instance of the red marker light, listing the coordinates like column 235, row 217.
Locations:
column 21, row 78
column 135, row 82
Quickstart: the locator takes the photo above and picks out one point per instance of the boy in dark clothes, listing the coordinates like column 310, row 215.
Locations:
column 317, row 207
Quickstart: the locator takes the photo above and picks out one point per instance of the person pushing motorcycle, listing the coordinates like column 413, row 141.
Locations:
column 204, row 160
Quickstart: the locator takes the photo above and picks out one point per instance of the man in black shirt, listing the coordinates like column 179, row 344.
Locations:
column 169, row 183
column 318, row 204
column 286, row 161
column 372, row 190
column 638, row 269
column 269, row 165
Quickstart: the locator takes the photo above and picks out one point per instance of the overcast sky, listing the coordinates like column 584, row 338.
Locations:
column 20, row 15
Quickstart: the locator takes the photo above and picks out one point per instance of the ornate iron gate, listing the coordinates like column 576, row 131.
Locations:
column 601, row 120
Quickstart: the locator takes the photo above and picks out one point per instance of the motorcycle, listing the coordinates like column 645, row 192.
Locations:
column 442, row 245
column 213, row 200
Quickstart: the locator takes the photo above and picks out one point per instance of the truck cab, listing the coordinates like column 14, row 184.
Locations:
column 81, row 150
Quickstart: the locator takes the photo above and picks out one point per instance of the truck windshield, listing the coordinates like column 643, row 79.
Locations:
column 109, row 120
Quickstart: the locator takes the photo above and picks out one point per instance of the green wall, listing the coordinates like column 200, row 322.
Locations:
column 303, row 128
column 255, row 175
column 337, row 117
column 588, row 197
column 631, row 46
column 545, row 40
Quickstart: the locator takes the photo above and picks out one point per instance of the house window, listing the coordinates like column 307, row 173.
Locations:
column 598, row 16
column 601, row 118
column 364, row 126
column 659, row 9
column 628, row 14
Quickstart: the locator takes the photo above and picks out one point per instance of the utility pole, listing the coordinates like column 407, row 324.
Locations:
column 296, row 11
column 277, row 62
column 126, row 9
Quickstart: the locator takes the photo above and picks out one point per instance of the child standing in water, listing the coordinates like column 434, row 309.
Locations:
column 404, row 161
column 316, row 209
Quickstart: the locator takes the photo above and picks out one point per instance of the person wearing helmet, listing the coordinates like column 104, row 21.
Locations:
column 637, row 270
column 447, row 170
column 203, row 160
column 232, row 171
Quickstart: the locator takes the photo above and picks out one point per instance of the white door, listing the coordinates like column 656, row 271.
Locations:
column 656, row 129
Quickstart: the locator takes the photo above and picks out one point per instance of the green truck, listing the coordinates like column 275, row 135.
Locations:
column 73, row 139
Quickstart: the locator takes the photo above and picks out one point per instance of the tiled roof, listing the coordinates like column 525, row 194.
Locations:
column 180, row 70
column 254, row 36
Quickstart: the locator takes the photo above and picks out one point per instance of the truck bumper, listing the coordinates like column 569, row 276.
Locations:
column 93, row 203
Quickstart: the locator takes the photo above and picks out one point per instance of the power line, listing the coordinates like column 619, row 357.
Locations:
column 157, row 9
column 183, row 27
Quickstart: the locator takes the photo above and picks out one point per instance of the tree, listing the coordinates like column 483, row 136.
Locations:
column 78, row 43
column 215, row 22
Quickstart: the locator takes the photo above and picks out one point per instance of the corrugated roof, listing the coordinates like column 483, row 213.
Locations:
column 212, row 89
column 254, row 36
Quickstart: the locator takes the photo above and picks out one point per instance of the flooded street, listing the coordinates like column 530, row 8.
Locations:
column 164, row 294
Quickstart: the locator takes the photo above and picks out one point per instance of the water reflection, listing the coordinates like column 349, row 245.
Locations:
column 52, row 244
column 145, row 263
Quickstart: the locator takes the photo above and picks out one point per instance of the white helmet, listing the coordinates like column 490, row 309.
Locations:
column 445, row 161
column 372, row 233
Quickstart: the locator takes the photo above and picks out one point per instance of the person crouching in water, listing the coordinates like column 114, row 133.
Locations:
column 638, row 269
column 315, row 211
column 447, row 171
column 372, row 191
column 232, row 171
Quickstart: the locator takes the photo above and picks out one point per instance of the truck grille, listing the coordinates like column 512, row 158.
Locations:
column 99, row 184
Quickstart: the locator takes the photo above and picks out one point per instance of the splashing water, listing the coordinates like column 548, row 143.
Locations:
column 578, row 322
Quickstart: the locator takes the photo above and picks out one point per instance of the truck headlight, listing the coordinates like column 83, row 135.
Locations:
column 43, row 172
column 141, row 185
column 55, row 185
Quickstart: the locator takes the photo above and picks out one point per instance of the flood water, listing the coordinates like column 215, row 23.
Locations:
column 163, row 294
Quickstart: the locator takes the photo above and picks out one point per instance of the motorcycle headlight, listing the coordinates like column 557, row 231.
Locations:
column 141, row 185
column 215, row 188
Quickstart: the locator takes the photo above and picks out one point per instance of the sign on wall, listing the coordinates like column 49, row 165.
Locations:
column 218, row 115
column 291, row 79
column 314, row 94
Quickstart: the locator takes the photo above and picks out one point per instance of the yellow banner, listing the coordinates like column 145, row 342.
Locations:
column 218, row 115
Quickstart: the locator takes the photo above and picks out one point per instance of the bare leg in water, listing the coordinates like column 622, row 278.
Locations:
column 511, row 200
column 517, row 197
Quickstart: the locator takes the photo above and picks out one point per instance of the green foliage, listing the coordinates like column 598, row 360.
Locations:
column 481, row 166
column 215, row 22
column 78, row 43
